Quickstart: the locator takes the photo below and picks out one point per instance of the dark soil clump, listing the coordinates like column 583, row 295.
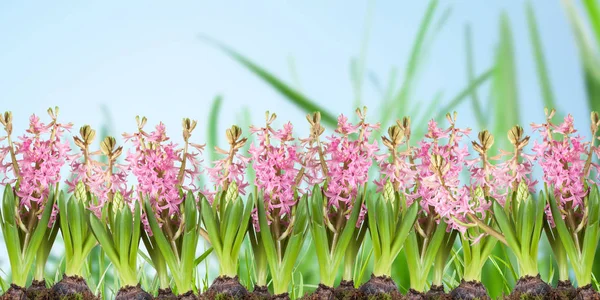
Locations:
column 378, row 285
column 189, row 295
column 470, row 290
column 436, row 292
column 564, row 291
column 284, row 296
column 166, row 294
column 530, row 287
column 414, row 295
column 133, row 293
column 38, row 291
column 14, row 292
column 587, row 293
column 227, row 288
column 260, row 292
column 72, row 287
column 347, row 291
column 322, row 292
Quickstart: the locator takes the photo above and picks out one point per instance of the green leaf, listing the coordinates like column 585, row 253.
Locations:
column 211, row 227
column 203, row 256
column 563, row 232
column 243, row 228
column 590, row 241
column 408, row 221
column 125, row 235
column 40, row 231
column 64, row 225
column 162, row 242
column 105, row 240
column 286, row 90
column 347, row 233
column 135, row 237
column 372, row 220
column 265, row 233
column 231, row 228
column 506, row 228
column 75, row 222
column 8, row 205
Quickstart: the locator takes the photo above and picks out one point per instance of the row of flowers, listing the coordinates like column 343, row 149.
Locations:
column 319, row 185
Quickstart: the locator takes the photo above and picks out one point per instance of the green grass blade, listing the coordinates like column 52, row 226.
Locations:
column 213, row 127
column 475, row 102
column 540, row 61
column 291, row 94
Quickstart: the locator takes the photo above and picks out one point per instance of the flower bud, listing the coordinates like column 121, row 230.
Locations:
column 437, row 164
column 117, row 202
column 522, row 192
column 515, row 134
column 388, row 192
column 232, row 192
column 80, row 193
column 107, row 146
column 233, row 134
column 87, row 134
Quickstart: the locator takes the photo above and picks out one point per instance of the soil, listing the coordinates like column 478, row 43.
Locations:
column 226, row 288
column 436, row 292
column 587, row 293
column 414, row 295
column 470, row 290
column 166, row 294
column 189, row 295
column 564, row 291
column 38, row 291
column 378, row 285
column 260, row 292
column 347, row 291
column 322, row 292
column 530, row 287
column 14, row 292
column 72, row 287
column 284, row 296
column 133, row 293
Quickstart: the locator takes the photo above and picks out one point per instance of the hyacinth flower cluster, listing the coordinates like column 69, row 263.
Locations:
column 341, row 164
column 166, row 175
column 30, row 169
column 281, row 208
column 225, row 215
column 571, row 192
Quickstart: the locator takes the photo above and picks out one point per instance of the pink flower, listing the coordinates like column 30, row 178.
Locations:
column 563, row 162
column 276, row 163
column 40, row 155
column 438, row 188
column 158, row 167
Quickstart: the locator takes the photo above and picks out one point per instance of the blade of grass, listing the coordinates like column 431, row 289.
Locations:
column 540, row 61
column 213, row 127
column 399, row 103
column 286, row 90
column 479, row 116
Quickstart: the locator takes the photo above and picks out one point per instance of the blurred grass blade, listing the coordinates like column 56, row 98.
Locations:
column 593, row 13
column 464, row 93
column 357, row 66
column 399, row 103
column 505, row 95
column 286, row 90
column 589, row 55
column 479, row 115
column 540, row 61
column 213, row 127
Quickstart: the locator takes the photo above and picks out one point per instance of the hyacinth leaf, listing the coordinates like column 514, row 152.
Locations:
column 40, row 231
column 540, row 207
column 211, row 226
column 8, row 205
column 231, row 229
column 347, row 233
column 243, row 228
column 407, row 222
column 506, row 228
column 162, row 242
column 319, row 233
column 372, row 220
column 528, row 215
column 64, row 225
column 135, row 238
column 296, row 240
column 563, row 232
column 74, row 216
column 286, row 90
column 125, row 234
column 590, row 240
column 265, row 233
column 105, row 240
column 435, row 244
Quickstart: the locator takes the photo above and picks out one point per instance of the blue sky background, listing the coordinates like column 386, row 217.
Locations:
column 145, row 58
